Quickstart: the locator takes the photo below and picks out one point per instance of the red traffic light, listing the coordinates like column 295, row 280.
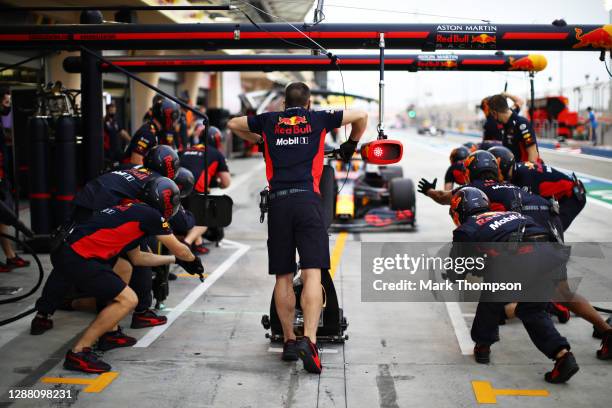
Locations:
column 382, row 152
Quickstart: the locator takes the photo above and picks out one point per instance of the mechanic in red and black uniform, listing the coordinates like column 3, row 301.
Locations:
column 218, row 172
column 493, row 130
column 546, row 181
column 120, row 187
column 86, row 257
column 482, row 172
column 194, row 160
column 293, row 149
column 115, row 187
column 476, row 223
column 518, row 134
column 455, row 172
column 165, row 114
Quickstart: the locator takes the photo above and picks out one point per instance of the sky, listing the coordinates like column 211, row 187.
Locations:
column 435, row 88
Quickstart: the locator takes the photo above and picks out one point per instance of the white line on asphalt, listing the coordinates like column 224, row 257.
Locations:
column 322, row 351
column 584, row 156
column 585, row 175
column 461, row 331
column 195, row 294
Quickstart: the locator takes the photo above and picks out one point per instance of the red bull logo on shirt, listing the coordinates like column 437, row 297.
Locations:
column 294, row 125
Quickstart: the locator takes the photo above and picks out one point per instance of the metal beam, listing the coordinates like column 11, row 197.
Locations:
column 242, row 63
column 426, row 37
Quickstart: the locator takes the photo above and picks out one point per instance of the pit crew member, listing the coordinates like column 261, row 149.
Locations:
column 475, row 222
column 293, row 150
column 87, row 254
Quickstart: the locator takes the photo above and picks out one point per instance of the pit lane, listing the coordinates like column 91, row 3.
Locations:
column 399, row 354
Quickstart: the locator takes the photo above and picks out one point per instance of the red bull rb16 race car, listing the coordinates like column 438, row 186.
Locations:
column 360, row 196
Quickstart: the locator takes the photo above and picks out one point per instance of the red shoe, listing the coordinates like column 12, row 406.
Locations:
column 200, row 249
column 86, row 361
column 605, row 352
column 309, row 353
column 115, row 339
column 147, row 318
column 557, row 309
column 40, row 325
column 4, row 268
column 565, row 367
column 16, row 262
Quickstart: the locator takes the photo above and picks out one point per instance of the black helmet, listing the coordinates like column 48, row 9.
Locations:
column 471, row 146
column 467, row 201
column 505, row 160
column 162, row 159
column 478, row 164
column 214, row 137
column 459, row 154
column 185, row 181
column 166, row 112
column 162, row 194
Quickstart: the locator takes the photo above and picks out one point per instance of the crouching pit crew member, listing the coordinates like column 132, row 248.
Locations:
column 293, row 149
column 108, row 190
column 164, row 117
column 476, row 223
column 545, row 181
column 87, row 255
column 482, row 172
column 455, row 173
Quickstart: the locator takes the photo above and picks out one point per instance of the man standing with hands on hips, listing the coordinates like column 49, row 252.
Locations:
column 294, row 151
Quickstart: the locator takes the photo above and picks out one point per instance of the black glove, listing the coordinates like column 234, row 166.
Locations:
column 194, row 267
column 425, row 186
column 347, row 149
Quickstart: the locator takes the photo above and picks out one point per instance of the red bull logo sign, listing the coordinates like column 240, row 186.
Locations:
column 528, row 63
column 437, row 64
column 484, row 39
column 598, row 38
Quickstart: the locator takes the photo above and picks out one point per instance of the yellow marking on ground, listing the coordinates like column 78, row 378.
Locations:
column 97, row 384
column 486, row 394
column 337, row 252
column 188, row 275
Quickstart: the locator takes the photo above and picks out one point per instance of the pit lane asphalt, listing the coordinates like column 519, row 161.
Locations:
column 398, row 355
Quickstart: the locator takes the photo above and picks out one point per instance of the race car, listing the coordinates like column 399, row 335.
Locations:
column 361, row 196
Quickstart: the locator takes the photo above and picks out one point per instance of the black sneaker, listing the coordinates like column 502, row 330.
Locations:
column 40, row 324
column 565, row 367
column 557, row 309
column 86, row 361
column 599, row 335
column 482, row 353
column 290, row 352
column 172, row 276
column 115, row 339
column 309, row 353
column 605, row 352
column 147, row 318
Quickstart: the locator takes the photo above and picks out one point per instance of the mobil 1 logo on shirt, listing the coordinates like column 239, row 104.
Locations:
column 290, row 141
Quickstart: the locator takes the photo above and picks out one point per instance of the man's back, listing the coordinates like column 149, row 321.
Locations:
column 294, row 141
